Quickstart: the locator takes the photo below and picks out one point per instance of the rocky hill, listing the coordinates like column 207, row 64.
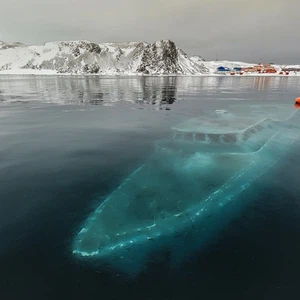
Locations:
column 84, row 57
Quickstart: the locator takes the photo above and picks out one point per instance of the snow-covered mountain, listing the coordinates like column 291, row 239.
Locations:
column 197, row 59
column 84, row 57
column 4, row 45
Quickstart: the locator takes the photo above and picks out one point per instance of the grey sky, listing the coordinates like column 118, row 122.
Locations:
column 244, row 30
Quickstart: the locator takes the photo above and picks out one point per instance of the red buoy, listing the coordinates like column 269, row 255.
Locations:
column 297, row 103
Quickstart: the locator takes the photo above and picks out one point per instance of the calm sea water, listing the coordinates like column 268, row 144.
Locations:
column 67, row 142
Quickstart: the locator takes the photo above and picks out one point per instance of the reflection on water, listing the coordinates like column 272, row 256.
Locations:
column 90, row 90
column 262, row 83
column 160, row 91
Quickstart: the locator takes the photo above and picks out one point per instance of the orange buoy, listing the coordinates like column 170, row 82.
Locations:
column 297, row 102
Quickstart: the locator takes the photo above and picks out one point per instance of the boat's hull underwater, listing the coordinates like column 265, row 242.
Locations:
column 183, row 195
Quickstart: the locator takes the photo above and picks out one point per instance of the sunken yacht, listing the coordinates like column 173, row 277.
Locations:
column 190, row 187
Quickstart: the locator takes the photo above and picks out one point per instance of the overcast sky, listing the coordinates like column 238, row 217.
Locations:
column 244, row 30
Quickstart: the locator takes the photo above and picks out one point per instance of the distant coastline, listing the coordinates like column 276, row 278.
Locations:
column 161, row 58
column 29, row 72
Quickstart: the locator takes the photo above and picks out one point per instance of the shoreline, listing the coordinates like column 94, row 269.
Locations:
column 54, row 73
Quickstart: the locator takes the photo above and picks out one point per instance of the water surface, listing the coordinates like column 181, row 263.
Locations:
column 66, row 142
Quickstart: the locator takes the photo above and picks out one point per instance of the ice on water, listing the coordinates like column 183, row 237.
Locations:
column 198, row 171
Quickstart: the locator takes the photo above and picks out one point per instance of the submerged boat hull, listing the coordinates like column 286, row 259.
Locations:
column 185, row 193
